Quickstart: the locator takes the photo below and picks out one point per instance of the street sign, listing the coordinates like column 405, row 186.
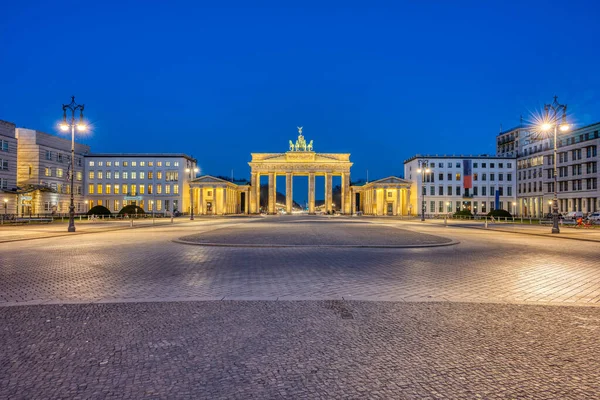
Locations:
column 133, row 198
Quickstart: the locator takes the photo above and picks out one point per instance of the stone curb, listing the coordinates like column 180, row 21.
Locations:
column 345, row 246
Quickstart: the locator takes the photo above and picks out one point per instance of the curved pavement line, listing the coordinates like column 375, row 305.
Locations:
column 345, row 246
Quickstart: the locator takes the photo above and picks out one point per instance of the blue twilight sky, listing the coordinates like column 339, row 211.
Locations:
column 218, row 80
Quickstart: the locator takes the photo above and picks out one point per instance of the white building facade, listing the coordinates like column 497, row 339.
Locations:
column 157, row 183
column 44, row 171
column 8, row 167
column 577, row 169
column 454, row 183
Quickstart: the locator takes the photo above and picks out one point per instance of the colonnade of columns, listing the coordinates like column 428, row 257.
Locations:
column 219, row 200
column 384, row 201
column 272, row 192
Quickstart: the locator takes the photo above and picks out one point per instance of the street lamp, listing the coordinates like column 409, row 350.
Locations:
column 555, row 115
column 81, row 127
column 423, row 169
column 190, row 170
column 514, row 208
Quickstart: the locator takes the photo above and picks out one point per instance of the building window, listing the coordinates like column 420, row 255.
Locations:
column 431, row 190
column 159, row 175
column 449, row 176
column 158, row 188
column 440, row 176
column 171, row 176
column 59, row 157
column 59, row 172
column 142, row 175
column 124, row 189
column 133, row 175
column 142, row 189
column 99, row 174
column 142, row 163
column 125, row 164
column 90, row 189
column 116, row 163
column 117, row 174
column 125, row 175
column 49, row 157
column 150, row 175
column 168, row 189
column 99, row 188
column 440, row 190
column 109, row 163
column 149, row 189
column 133, row 190
column 484, row 177
column 116, row 205
column 159, row 163
column 107, row 189
column 458, row 177
column 176, row 190
column 47, row 172
column 458, row 190
column 4, row 145
column 475, row 191
column 117, row 187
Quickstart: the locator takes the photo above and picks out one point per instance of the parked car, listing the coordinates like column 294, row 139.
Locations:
column 574, row 215
column 595, row 216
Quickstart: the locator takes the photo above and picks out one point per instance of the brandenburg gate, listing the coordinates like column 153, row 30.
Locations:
column 300, row 160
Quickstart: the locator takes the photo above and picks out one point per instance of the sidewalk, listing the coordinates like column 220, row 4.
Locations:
column 566, row 231
column 11, row 233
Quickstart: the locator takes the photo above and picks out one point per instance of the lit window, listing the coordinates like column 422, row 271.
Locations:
column 125, row 175
column 159, row 188
column 100, row 163
column 151, row 163
column 142, row 175
column 117, row 174
column 124, row 187
column 79, row 175
column 109, row 163
column 133, row 190
column 99, row 174
column 91, row 189
column 168, row 163
column 59, row 172
column 142, row 189
column 134, row 163
column 107, row 189
column 159, row 163
column 133, row 175
column 458, row 177
column 176, row 189
column 91, row 162
column 116, row 163
column 47, row 172
column 142, row 163
column 159, row 175
column 167, row 189
column 108, row 175
column 117, row 187
column 99, row 189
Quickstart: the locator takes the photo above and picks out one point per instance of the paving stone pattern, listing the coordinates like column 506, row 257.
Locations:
column 299, row 350
column 318, row 232
column 145, row 265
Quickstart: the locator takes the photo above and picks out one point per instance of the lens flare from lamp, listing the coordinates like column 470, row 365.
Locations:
column 81, row 127
column 64, row 127
column 419, row 171
column 564, row 127
column 546, row 126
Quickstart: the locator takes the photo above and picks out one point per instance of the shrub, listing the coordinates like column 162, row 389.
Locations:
column 132, row 210
column 499, row 213
column 463, row 213
column 99, row 210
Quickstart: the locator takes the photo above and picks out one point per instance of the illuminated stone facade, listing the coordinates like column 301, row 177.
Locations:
column 300, row 160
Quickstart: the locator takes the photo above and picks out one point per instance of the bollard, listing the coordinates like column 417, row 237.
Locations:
column 446, row 220
column 486, row 223
column 132, row 222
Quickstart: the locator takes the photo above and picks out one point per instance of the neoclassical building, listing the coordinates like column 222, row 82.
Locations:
column 300, row 160
column 387, row 196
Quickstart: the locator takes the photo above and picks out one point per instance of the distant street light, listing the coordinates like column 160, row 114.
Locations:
column 423, row 169
column 514, row 208
column 190, row 170
column 555, row 115
column 81, row 127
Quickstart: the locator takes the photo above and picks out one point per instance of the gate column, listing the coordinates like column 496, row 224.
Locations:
column 288, row 192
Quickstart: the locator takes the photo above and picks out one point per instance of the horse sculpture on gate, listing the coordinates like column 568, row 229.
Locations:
column 301, row 144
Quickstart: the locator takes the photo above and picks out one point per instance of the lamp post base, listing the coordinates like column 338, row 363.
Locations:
column 555, row 230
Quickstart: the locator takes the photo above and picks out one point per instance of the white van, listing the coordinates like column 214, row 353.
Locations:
column 574, row 215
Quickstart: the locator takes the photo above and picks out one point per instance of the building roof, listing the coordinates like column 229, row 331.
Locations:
column 142, row 155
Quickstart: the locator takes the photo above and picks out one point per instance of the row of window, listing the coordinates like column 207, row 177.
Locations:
column 475, row 191
column 60, row 157
column 430, row 178
column 62, row 187
column 134, row 190
column 170, row 176
column 565, row 186
column 59, row 173
column 459, row 164
column 132, row 163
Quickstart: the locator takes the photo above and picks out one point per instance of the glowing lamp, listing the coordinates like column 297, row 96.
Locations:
column 546, row 126
column 564, row 127
column 64, row 127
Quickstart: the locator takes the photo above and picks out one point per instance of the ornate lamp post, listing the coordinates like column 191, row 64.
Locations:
column 195, row 171
column 81, row 127
column 423, row 169
column 555, row 116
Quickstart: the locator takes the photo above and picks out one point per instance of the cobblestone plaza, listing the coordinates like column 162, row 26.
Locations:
column 298, row 307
